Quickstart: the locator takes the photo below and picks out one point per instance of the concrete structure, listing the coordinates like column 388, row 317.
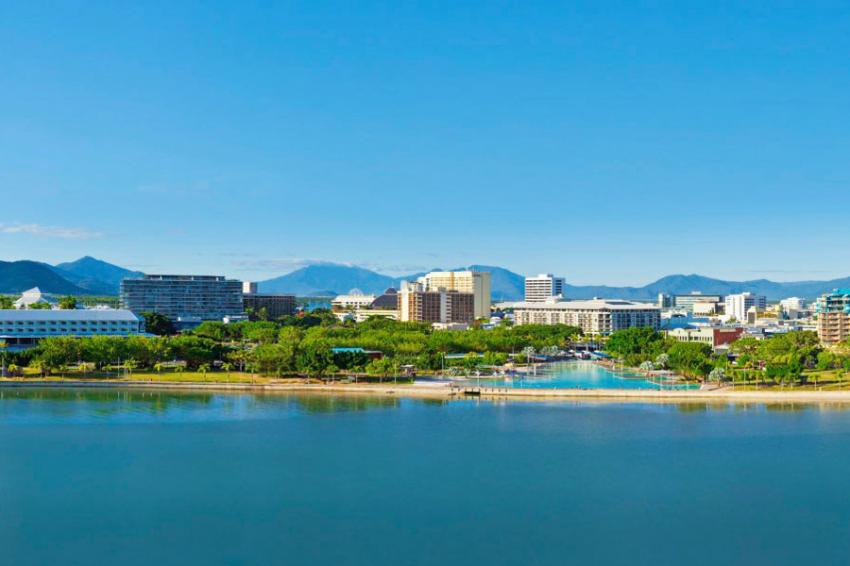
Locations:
column 249, row 287
column 701, row 308
column 352, row 301
column 476, row 282
column 793, row 307
column 833, row 314
column 543, row 287
column 31, row 297
column 416, row 304
column 716, row 337
column 664, row 301
column 274, row 306
column 686, row 302
column 186, row 300
column 24, row 328
column 737, row 306
column 596, row 316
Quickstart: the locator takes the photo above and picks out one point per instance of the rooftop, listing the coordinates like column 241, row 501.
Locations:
column 68, row 314
column 592, row 304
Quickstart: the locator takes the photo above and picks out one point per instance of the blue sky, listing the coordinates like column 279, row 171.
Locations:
column 609, row 142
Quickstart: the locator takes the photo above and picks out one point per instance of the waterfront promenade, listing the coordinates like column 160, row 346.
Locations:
column 446, row 391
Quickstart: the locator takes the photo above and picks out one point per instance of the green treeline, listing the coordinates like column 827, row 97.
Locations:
column 298, row 345
column 781, row 359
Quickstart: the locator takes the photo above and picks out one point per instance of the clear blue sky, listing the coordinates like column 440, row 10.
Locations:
column 609, row 142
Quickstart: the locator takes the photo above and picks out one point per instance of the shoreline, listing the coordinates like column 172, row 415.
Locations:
column 453, row 391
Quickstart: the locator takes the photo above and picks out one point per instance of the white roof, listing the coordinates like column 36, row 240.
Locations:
column 38, row 315
column 592, row 304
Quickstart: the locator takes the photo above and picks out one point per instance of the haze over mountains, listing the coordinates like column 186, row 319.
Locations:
column 91, row 276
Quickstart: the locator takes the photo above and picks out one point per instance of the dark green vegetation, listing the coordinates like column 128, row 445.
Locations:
column 296, row 346
column 787, row 358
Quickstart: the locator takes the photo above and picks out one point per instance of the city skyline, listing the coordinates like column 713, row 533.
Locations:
column 605, row 146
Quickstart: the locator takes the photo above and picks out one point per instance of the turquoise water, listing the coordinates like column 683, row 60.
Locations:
column 111, row 477
column 578, row 375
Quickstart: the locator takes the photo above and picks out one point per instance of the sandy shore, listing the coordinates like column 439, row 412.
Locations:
column 454, row 391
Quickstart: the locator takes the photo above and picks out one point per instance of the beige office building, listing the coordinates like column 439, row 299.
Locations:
column 476, row 282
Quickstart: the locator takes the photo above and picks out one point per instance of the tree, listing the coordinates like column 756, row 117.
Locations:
column 691, row 358
column 6, row 303
column 159, row 324
column 39, row 306
column 68, row 303
column 635, row 344
column 717, row 375
column 647, row 366
column 204, row 368
column 662, row 361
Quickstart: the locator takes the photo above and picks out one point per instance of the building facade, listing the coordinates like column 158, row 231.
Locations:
column 716, row 337
column 415, row 304
column 737, row 306
column 543, row 287
column 352, row 301
column 686, row 302
column 273, row 306
column 185, row 299
column 833, row 314
column 476, row 282
column 597, row 316
column 21, row 329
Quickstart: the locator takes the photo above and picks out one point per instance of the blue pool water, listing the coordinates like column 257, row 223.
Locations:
column 578, row 375
column 112, row 477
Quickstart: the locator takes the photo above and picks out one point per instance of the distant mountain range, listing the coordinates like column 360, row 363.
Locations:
column 327, row 280
column 90, row 276
column 86, row 276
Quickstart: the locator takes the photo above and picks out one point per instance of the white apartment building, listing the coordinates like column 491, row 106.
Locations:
column 596, row 316
column 738, row 305
column 476, row 282
column 543, row 287
column 793, row 306
column 24, row 328
column 353, row 301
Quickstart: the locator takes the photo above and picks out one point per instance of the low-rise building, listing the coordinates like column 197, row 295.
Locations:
column 596, row 316
column 833, row 314
column 686, row 302
column 716, row 337
column 352, row 301
column 272, row 306
column 24, row 328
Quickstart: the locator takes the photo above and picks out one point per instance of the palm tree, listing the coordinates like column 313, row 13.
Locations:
column 204, row 368
column 227, row 366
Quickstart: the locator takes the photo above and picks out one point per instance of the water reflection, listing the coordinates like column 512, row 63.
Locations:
column 92, row 405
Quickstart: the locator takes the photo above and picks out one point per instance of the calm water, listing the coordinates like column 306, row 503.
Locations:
column 154, row 478
column 578, row 375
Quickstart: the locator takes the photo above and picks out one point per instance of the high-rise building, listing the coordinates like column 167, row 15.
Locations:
column 597, row 316
column 476, row 282
column 738, row 305
column 415, row 304
column 833, row 313
column 543, row 287
column 185, row 299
